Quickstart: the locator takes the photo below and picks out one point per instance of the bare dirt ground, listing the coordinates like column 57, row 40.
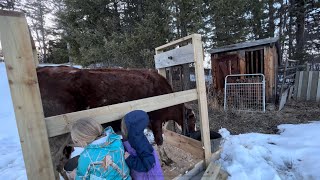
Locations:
column 237, row 122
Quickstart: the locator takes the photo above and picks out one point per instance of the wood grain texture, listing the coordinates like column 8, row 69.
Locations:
column 202, row 96
column 192, row 146
column 25, row 94
column 61, row 124
column 211, row 172
column 174, row 43
column 174, row 57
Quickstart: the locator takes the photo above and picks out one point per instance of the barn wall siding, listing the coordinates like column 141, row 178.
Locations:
column 307, row 86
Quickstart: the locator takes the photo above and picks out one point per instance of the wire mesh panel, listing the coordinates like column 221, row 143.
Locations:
column 244, row 92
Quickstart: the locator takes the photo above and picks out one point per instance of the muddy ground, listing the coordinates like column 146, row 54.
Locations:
column 237, row 122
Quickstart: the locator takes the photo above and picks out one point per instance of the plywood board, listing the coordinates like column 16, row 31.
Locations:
column 174, row 57
column 192, row 146
column 20, row 65
column 60, row 124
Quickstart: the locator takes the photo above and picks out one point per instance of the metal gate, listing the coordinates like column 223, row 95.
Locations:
column 244, row 92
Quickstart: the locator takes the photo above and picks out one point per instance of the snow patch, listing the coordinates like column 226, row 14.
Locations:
column 293, row 154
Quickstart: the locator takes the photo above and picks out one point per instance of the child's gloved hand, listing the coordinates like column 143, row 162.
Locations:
column 126, row 155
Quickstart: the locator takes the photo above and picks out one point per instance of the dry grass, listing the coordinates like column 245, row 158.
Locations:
column 245, row 122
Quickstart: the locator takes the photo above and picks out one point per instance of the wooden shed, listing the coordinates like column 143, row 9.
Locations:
column 260, row 56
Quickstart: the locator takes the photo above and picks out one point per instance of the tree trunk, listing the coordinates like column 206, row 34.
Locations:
column 41, row 15
column 184, row 32
column 271, row 18
column 299, row 54
column 290, row 33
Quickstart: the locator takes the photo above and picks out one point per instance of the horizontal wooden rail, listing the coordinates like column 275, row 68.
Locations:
column 289, row 76
column 57, row 125
column 175, row 43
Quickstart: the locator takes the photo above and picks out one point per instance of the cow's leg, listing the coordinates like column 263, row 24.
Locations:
column 157, row 131
column 57, row 145
column 163, row 156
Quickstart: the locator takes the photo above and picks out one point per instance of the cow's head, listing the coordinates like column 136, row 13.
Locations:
column 189, row 123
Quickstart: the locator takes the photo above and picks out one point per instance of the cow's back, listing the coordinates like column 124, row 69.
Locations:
column 66, row 89
column 59, row 88
column 112, row 86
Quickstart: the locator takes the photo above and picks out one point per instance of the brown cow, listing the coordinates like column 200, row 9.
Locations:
column 65, row 89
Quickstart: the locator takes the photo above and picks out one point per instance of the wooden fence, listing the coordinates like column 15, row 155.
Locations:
column 307, row 86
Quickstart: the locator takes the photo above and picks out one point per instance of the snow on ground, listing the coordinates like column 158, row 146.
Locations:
column 293, row 154
column 11, row 159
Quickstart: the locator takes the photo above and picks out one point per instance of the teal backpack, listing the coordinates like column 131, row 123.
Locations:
column 110, row 150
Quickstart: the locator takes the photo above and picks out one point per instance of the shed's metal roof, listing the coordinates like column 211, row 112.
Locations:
column 243, row 45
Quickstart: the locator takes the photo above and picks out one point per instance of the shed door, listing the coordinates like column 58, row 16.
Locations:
column 225, row 65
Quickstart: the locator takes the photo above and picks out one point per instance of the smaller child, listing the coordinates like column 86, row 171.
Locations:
column 103, row 154
column 143, row 160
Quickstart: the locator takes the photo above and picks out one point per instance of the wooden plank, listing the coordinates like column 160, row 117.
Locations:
column 275, row 71
column 262, row 61
column 314, row 84
column 174, row 43
column 215, row 72
column 192, row 146
column 161, row 71
column 299, row 89
column 304, row 87
column 283, row 99
column 257, row 61
column 174, row 57
column 309, row 85
column 290, row 93
column 26, row 98
column 267, row 73
column 211, row 172
column 251, row 62
column 60, row 124
column 199, row 167
column 216, row 155
column 296, row 83
column 202, row 96
column 318, row 89
column 223, row 175
column 242, row 63
column 170, row 76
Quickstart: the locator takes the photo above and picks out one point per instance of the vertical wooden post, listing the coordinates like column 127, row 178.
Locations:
column 242, row 62
column 202, row 97
column 214, row 70
column 318, row 88
column 20, row 65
